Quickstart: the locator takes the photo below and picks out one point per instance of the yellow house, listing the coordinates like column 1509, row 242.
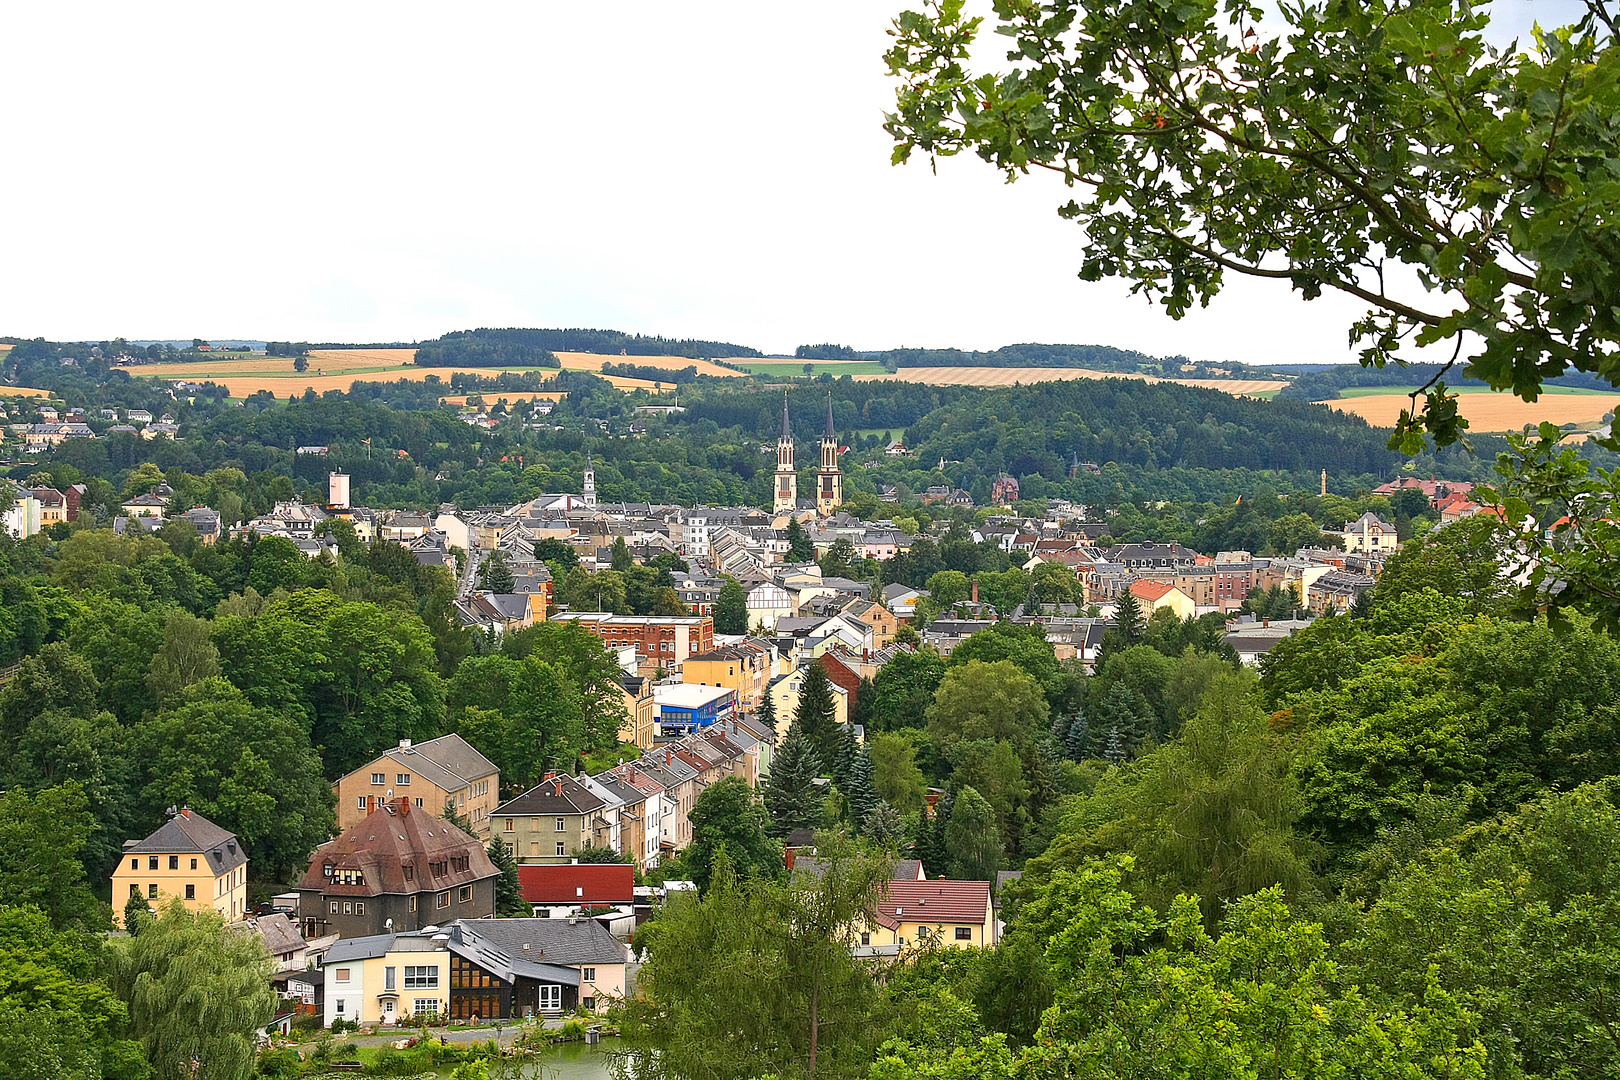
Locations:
column 1158, row 594
column 188, row 857
column 785, row 696
column 744, row 667
column 640, row 712
column 956, row 914
column 432, row 774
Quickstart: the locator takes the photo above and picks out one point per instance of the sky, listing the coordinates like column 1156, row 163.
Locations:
column 365, row 172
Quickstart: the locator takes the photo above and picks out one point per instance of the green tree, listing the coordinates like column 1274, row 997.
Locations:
column 972, row 838
column 727, row 816
column 301, row 363
column 860, row 790
column 249, row 770
column 800, row 549
column 987, row 701
column 41, row 837
column 731, row 609
column 894, row 771
column 509, row 902
column 790, row 793
column 815, row 714
column 494, row 575
column 198, row 993
column 801, row 1004
column 59, row 1020
column 839, row 561
column 1128, row 621
column 187, row 656
column 904, row 689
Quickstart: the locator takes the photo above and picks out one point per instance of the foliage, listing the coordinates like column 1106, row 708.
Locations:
column 972, row 838
column 790, row 794
column 728, row 817
column 197, row 991
column 815, row 716
column 509, row 902
column 41, row 836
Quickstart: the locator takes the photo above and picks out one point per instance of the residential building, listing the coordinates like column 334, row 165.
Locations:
column 1004, row 490
column 955, row 914
column 53, row 506
column 551, row 821
column 188, row 857
column 441, row 772
column 287, row 948
column 515, row 968
column 883, row 622
column 640, row 712
column 744, row 667
column 1368, row 533
column 149, row 504
column 579, row 890
column 641, row 805
column 679, row 781
column 401, row 868
column 946, row 634
column 768, row 602
column 661, row 641
column 1157, row 594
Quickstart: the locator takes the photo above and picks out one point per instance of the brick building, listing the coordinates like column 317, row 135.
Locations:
column 660, row 640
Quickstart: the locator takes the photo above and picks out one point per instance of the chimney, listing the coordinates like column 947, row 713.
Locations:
column 404, row 744
column 557, row 781
column 1265, row 623
column 185, row 811
column 975, row 590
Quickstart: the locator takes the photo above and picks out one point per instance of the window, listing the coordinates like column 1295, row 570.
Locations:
column 422, row 977
column 550, row 997
column 866, row 937
column 402, row 779
column 151, row 892
column 413, row 903
column 134, row 889
column 465, row 895
column 191, row 892
column 340, row 1007
column 587, row 1003
column 587, row 974
column 442, row 900
column 151, row 862
column 389, row 981
column 425, row 1006
column 363, row 800
column 379, row 778
column 359, row 908
column 511, row 849
column 135, row 863
column 343, row 974
column 562, row 824
column 334, row 907
column 418, row 803
column 410, row 872
column 964, row 933
column 560, row 851
column 174, row 862
column 194, row 864
column 510, row 825
column 348, row 907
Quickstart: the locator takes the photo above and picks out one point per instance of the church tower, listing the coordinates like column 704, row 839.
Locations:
column 829, row 484
column 787, row 479
column 588, row 488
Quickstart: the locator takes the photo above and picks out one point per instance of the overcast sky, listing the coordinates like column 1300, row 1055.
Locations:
column 380, row 172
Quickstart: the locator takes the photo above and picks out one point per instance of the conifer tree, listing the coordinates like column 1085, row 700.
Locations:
column 972, row 838
column 815, row 714
column 1077, row 742
column 1128, row 617
column 859, row 789
column 929, row 846
column 1114, row 750
column 509, row 902
column 884, row 827
column 767, row 711
column 790, row 792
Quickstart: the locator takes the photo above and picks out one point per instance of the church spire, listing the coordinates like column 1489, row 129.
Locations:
column 787, row 431
column 830, row 433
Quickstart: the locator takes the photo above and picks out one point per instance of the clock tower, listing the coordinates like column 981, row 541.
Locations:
column 829, row 482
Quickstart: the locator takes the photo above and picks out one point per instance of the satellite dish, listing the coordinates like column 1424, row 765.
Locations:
column 388, row 924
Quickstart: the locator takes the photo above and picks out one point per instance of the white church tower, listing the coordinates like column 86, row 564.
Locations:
column 588, row 488
column 787, row 479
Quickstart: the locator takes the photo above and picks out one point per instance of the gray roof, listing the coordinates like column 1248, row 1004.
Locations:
column 560, row 795
column 191, row 833
column 359, row 948
column 555, row 941
column 449, row 761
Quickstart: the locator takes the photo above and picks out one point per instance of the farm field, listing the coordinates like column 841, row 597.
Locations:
column 791, row 368
column 1490, row 411
column 22, row 391
column 1380, row 391
column 1007, row 376
column 575, row 361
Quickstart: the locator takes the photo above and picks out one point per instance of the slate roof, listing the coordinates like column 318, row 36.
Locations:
column 558, row 796
column 448, row 762
column 190, row 833
column 554, row 941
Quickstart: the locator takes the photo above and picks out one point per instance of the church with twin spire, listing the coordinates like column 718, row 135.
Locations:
column 829, row 482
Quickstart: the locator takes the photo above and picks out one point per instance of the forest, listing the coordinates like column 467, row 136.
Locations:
column 533, row 342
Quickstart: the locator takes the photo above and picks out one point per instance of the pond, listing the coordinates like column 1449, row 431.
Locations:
column 573, row 1061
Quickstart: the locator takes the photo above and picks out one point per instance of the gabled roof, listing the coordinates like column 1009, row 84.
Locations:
column 1150, row 590
column 188, row 832
column 559, row 796
column 934, row 901
column 552, row 941
column 385, row 841
column 579, row 883
column 449, row 762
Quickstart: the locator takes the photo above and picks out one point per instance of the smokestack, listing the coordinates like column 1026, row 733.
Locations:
column 975, row 590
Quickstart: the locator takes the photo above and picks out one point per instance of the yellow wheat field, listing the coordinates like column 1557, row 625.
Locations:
column 1490, row 412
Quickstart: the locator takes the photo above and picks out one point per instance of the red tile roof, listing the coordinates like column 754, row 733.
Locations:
column 1150, row 590
column 581, row 883
column 934, row 901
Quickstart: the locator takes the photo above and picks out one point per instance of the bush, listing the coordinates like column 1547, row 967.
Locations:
column 279, row 1062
